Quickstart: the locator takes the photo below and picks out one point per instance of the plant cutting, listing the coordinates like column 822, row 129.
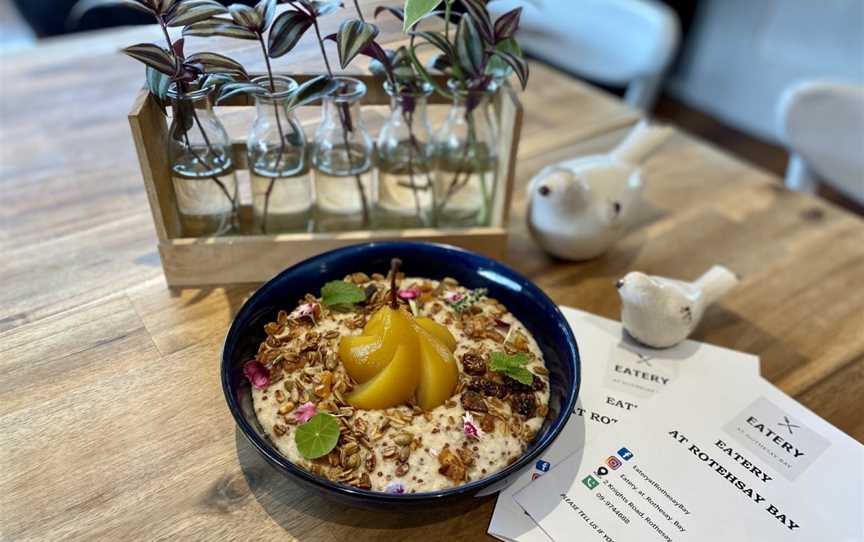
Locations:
column 480, row 54
column 186, row 82
column 276, row 37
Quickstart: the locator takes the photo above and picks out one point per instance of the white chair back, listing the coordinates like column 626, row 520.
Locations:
column 617, row 42
column 822, row 123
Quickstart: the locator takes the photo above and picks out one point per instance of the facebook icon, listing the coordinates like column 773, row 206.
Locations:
column 542, row 466
column 625, row 454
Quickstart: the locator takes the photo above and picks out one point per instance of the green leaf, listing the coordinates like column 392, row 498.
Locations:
column 286, row 31
column 157, row 82
column 353, row 36
column 318, row 436
column 339, row 292
column 323, row 7
column 219, row 27
column 192, row 11
column 511, row 365
column 154, row 56
column 310, row 91
column 415, row 10
column 469, row 46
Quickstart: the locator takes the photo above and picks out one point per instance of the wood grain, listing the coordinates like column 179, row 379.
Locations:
column 112, row 420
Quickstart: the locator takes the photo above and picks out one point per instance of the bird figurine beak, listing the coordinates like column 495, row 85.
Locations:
column 619, row 283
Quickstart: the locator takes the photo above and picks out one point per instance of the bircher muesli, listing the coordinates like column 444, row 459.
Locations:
column 399, row 384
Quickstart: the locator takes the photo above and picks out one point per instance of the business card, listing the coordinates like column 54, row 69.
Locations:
column 618, row 376
column 715, row 458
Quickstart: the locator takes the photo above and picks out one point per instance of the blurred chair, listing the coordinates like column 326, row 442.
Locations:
column 625, row 43
column 822, row 125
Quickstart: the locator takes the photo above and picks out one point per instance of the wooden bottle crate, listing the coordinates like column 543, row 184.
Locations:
column 198, row 261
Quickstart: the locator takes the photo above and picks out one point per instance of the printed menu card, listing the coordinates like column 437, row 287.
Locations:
column 618, row 376
column 716, row 457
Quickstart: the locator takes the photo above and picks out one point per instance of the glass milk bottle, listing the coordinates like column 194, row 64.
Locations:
column 278, row 166
column 201, row 167
column 404, row 161
column 342, row 156
column 466, row 160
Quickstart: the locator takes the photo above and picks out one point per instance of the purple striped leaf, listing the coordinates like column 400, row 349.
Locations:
column 507, row 24
column 517, row 63
column 219, row 27
column 266, row 10
column 353, row 37
column 246, row 16
column 399, row 13
column 240, row 87
column 482, row 20
column 286, row 31
column 216, row 63
column 469, row 46
column 154, row 56
column 188, row 12
column 311, row 91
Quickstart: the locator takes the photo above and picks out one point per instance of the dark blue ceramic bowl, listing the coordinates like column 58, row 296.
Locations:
column 525, row 300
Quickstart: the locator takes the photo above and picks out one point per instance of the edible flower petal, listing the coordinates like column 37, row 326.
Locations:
column 470, row 428
column 257, row 374
column 396, row 487
column 306, row 310
column 453, row 297
column 409, row 293
column 304, row 412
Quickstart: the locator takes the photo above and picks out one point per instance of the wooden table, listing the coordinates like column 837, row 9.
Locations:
column 111, row 414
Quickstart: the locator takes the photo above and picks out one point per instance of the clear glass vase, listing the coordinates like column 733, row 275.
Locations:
column 403, row 171
column 201, row 166
column 278, row 166
column 466, row 161
column 342, row 156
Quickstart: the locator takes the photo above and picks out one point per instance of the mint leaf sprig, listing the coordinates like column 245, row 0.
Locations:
column 511, row 365
column 341, row 295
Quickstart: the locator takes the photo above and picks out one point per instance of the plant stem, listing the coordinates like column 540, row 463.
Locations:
column 395, row 264
column 343, row 118
column 359, row 13
column 447, row 12
column 281, row 153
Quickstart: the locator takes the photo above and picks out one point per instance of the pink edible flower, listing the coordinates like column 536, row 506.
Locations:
column 470, row 428
column 453, row 297
column 306, row 310
column 257, row 374
column 501, row 323
column 409, row 293
column 304, row 412
column 396, row 487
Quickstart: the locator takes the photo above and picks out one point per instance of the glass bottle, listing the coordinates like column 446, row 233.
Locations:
column 278, row 166
column 201, row 167
column 466, row 160
column 342, row 157
column 404, row 161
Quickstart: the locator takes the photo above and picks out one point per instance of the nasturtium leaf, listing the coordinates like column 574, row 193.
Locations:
column 415, row 10
column 339, row 292
column 154, row 56
column 469, row 46
column 219, row 27
column 511, row 365
column 318, row 436
column 353, row 36
column 286, row 31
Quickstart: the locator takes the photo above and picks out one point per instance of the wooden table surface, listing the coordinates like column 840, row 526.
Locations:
column 112, row 421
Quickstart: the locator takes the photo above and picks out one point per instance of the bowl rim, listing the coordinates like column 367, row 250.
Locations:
column 275, row 458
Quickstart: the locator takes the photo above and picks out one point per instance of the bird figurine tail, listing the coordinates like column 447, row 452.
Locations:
column 640, row 143
column 715, row 282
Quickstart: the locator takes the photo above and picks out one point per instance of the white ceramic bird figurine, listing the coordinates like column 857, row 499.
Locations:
column 662, row 312
column 578, row 208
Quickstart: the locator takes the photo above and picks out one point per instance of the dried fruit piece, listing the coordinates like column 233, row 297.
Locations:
column 471, row 400
column 473, row 364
